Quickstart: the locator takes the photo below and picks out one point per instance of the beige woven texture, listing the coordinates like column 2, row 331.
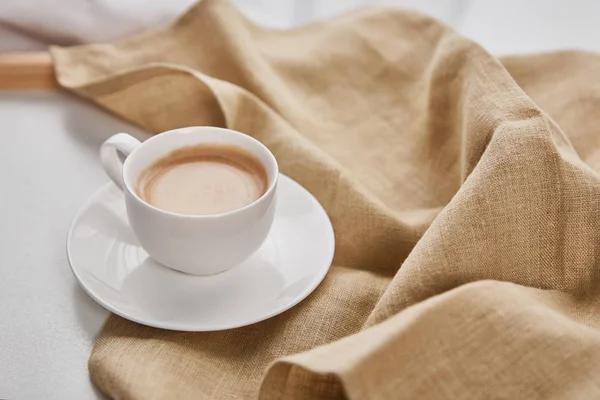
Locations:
column 463, row 193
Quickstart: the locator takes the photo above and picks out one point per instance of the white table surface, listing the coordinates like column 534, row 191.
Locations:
column 49, row 167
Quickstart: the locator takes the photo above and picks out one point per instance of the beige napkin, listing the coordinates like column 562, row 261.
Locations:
column 463, row 194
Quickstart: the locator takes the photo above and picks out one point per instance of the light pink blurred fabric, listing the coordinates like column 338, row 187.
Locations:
column 33, row 24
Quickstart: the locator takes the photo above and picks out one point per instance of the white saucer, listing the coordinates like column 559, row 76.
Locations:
column 115, row 271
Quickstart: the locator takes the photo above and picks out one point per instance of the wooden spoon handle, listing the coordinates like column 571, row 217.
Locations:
column 27, row 70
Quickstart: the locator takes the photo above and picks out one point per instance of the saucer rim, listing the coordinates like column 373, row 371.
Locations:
column 316, row 281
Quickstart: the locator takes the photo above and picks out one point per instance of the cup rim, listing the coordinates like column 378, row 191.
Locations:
column 269, row 190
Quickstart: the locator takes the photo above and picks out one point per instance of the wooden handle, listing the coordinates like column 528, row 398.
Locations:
column 26, row 70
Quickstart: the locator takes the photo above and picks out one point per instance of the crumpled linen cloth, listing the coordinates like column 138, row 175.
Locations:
column 463, row 191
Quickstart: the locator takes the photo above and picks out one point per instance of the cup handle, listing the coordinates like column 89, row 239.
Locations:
column 109, row 155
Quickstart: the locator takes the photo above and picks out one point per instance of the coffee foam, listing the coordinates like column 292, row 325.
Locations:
column 203, row 179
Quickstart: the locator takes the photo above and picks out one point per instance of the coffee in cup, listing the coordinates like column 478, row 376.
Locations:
column 204, row 179
column 199, row 199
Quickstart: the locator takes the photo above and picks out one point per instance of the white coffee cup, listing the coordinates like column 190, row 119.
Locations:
column 195, row 244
